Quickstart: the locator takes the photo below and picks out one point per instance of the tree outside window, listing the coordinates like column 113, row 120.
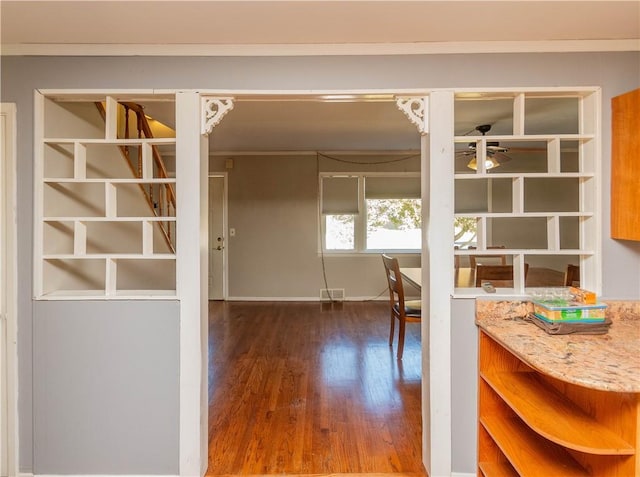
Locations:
column 394, row 224
column 465, row 232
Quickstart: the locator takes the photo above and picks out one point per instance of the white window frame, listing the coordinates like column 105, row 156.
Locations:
column 360, row 219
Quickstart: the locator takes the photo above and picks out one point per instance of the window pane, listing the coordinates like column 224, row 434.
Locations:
column 465, row 232
column 339, row 233
column 393, row 224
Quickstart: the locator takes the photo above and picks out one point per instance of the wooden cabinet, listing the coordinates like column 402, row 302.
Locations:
column 533, row 425
column 625, row 166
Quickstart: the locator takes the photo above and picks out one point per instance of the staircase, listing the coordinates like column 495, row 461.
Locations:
column 161, row 198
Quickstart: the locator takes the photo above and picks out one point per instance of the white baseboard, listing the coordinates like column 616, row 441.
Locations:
column 272, row 298
column 303, row 298
column 461, row 474
column 22, row 474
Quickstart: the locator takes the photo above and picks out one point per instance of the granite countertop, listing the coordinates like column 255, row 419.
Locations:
column 609, row 362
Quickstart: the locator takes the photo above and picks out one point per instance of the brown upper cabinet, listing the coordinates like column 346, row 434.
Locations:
column 625, row 166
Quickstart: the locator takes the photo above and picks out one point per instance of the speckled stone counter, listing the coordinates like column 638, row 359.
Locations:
column 609, row 362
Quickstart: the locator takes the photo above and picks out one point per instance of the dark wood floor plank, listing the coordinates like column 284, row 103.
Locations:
column 305, row 388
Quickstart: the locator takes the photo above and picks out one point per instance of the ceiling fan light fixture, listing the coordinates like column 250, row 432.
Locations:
column 489, row 163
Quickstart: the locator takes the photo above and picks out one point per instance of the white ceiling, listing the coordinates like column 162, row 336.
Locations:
column 313, row 27
column 303, row 27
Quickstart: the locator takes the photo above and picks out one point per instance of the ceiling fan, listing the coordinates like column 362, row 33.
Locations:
column 495, row 156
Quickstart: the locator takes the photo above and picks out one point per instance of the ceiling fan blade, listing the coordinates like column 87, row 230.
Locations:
column 527, row 149
column 501, row 157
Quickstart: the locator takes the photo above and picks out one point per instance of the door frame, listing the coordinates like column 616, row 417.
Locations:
column 225, row 227
column 435, row 178
column 9, row 279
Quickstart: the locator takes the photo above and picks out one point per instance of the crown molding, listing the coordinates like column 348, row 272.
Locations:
column 364, row 49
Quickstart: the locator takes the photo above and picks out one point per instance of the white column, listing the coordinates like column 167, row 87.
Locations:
column 591, row 194
column 437, row 280
column 191, row 278
column 8, row 288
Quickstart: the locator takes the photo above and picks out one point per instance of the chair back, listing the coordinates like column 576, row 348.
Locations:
column 498, row 275
column 394, row 279
column 572, row 276
column 495, row 259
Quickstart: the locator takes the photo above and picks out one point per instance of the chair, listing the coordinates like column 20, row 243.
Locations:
column 502, row 259
column 498, row 275
column 403, row 311
column 572, row 276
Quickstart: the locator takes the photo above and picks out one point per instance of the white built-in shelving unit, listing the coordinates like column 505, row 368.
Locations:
column 543, row 204
column 101, row 228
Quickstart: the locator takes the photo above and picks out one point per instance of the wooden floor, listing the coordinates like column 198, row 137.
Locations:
column 302, row 388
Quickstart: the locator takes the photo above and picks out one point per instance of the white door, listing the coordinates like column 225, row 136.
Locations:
column 217, row 238
column 7, row 291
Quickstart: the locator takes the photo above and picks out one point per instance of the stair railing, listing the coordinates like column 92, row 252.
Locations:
column 160, row 197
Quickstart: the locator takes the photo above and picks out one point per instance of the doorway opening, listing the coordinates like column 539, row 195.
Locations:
column 273, row 164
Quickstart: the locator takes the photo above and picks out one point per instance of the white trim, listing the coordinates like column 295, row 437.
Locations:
column 437, row 279
column 10, row 279
column 415, row 109
column 38, row 175
column 463, row 474
column 213, row 110
column 192, row 167
column 342, row 49
column 384, row 297
column 30, row 474
column 305, row 152
column 91, row 94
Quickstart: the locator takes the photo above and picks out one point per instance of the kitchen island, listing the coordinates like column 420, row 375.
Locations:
column 554, row 405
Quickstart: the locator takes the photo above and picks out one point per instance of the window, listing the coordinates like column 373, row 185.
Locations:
column 340, row 232
column 371, row 212
column 465, row 232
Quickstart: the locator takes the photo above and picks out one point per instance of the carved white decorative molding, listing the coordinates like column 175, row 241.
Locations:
column 415, row 109
column 213, row 110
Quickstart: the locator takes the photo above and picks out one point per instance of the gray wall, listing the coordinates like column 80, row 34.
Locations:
column 273, row 206
column 464, row 385
column 616, row 73
column 106, row 387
